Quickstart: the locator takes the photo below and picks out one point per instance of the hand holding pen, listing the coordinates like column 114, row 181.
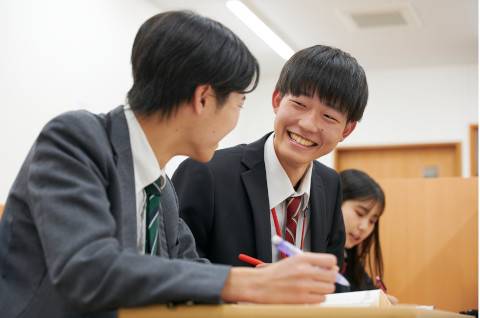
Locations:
column 290, row 250
column 302, row 279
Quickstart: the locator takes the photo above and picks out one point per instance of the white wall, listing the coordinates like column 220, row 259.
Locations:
column 425, row 105
column 422, row 105
column 60, row 55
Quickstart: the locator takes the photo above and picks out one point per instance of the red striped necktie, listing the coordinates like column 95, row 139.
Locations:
column 293, row 213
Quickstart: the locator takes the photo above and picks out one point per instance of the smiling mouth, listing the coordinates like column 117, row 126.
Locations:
column 301, row 140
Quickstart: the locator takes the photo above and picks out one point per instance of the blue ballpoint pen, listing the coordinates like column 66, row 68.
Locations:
column 290, row 250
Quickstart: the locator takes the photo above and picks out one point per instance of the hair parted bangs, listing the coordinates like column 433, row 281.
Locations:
column 332, row 75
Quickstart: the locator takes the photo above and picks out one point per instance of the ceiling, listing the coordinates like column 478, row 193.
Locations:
column 438, row 32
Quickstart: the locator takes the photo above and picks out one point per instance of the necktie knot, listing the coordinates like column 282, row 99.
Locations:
column 155, row 187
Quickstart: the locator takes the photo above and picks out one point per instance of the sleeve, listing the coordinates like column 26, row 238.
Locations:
column 187, row 243
column 193, row 183
column 68, row 184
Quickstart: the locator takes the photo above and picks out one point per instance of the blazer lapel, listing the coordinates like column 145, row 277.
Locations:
column 120, row 140
column 254, row 179
column 318, row 214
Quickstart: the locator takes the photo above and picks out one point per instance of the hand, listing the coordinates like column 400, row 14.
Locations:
column 392, row 299
column 301, row 279
column 262, row 265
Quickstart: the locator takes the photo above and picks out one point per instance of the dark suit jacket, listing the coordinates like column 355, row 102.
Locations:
column 68, row 233
column 225, row 204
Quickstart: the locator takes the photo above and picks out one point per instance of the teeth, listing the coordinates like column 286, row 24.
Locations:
column 301, row 140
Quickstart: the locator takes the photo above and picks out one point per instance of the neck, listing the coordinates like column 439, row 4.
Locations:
column 295, row 172
column 162, row 135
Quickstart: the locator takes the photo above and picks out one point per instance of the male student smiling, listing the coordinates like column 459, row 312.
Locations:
column 91, row 222
column 247, row 193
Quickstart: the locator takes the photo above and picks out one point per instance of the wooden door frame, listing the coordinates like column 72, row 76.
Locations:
column 473, row 135
column 457, row 145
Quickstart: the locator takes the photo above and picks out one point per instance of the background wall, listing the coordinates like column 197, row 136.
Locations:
column 63, row 55
column 57, row 56
column 415, row 105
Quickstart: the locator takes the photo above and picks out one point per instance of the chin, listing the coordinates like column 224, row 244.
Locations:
column 203, row 156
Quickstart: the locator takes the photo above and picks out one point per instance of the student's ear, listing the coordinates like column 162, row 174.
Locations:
column 200, row 96
column 276, row 99
column 349, row 127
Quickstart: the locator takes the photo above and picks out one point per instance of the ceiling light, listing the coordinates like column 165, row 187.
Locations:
column 260, row 28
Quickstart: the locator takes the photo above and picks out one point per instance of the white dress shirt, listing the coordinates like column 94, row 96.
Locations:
column 279, row 189
column 146, row 169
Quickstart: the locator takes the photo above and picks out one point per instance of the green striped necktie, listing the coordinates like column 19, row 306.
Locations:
column 152, row 212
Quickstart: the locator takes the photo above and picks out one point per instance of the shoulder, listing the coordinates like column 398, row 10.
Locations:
column 228, row 155
column 73, row 130
column 77, row 121
column 326, row 174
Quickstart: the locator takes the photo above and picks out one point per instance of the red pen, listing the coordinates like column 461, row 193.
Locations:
column 249, row 260
column 381, row 284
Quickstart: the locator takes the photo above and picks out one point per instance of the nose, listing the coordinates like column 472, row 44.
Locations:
column 309, row 122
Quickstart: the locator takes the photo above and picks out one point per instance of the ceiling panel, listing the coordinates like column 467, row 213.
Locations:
column 445, row 32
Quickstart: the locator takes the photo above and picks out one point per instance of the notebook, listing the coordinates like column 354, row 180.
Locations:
column 365, row 298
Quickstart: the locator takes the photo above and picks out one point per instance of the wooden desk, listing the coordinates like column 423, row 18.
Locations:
column 278, row 311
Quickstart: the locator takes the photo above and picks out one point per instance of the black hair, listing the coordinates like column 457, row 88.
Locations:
column 359, row 186
column 176, row 51
column 331, row 74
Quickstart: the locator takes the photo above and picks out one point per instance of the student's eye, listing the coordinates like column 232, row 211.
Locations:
column 373, row 221
column 298, row 104
column 358, row 213
column 330, row 118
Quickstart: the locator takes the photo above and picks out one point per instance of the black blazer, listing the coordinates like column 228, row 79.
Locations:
column 225, row 204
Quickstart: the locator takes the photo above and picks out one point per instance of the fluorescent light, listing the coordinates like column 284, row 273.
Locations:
column 260, row 28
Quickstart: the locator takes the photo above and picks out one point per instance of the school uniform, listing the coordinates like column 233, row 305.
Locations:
column 69, row 242
column 365, row 282
column 228, row 202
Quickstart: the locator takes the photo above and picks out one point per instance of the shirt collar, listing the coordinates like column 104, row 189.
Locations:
column 278, row 184
column 145, row 163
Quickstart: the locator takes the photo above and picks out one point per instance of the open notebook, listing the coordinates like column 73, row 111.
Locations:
column 365, row 298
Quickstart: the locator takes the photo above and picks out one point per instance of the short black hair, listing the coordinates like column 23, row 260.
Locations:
column 176, row 51
column 331, row 74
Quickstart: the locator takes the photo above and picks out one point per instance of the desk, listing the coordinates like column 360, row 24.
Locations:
column 278, row 311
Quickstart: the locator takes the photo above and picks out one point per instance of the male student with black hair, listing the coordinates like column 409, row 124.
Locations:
column 91, row 222
column 246, row 194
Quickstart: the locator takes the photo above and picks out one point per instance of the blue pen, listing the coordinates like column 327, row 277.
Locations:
column 290, row 250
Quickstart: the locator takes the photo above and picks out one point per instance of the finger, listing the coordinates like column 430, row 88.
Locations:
column 311, row 298
column 322, row 288
column 314, row 287
column 318, row 274
column 319, row 259
column 392, row 299
column 299, row 297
